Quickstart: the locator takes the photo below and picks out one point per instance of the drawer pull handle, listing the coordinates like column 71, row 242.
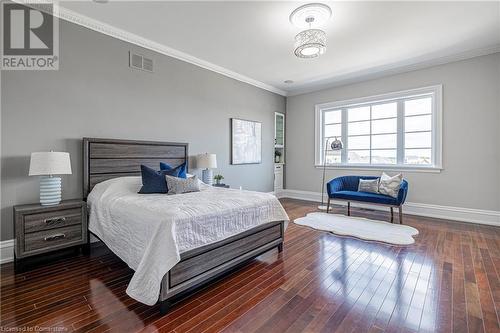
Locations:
column 53, row 221
column 54, row 237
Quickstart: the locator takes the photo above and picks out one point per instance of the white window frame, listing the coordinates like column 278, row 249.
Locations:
column 437, row 120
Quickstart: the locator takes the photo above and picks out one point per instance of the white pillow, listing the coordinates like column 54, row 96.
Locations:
column 390, row 185
column 368, row 185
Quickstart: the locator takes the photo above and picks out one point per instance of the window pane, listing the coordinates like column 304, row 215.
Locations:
column 333, row 117
column 360, row 128
column 384, row 141
column 384, row 156
column 384, row 126
column 358, row 156
column 333, row 157
column 355, row 114
column 381, row 132
column 333, row 130
column 418, row 106
column 418, row 156
column 387, row 110
column 359, row 142
column 418, row 123
column 418, row 140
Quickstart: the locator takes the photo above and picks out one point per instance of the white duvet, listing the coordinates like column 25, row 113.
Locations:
column 149, row 231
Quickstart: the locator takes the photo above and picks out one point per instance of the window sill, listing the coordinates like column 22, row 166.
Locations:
column 382, row 168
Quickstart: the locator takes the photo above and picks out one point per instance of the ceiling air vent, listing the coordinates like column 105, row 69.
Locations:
column 138, row 61
column 147, row 64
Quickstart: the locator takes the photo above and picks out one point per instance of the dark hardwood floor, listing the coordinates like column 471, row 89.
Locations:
column 446, row 282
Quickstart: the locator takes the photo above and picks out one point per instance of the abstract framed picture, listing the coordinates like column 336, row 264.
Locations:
column 246, row 141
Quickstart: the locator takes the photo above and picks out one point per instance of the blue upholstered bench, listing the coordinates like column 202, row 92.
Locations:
column 346, row 188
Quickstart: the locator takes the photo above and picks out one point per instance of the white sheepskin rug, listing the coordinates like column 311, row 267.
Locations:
column 365, row 229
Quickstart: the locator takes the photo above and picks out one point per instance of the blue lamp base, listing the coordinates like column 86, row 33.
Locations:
column 207, row 176
column 50, row 190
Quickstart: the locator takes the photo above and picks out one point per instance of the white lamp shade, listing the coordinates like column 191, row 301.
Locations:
column 206, row 161
column 50, row 163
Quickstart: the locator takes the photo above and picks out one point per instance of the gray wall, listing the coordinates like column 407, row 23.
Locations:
column 95, row 94
column 471, row 139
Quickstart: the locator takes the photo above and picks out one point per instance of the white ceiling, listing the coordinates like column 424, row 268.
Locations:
column 255, row 39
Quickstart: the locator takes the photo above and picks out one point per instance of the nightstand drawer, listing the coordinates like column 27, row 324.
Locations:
column 53, row 238
column 51, row 220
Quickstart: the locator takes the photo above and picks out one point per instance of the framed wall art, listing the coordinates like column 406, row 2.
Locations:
column 246, row 141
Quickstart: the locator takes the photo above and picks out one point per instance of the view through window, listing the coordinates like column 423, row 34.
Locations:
column 399, row 129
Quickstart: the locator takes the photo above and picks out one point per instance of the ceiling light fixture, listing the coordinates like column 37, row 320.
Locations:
column 319, row 12
column 310, row 43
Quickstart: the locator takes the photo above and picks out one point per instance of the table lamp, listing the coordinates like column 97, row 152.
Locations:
column 207, row 162
column 48, row 164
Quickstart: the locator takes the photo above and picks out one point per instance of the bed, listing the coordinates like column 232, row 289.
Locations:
column 174, row 243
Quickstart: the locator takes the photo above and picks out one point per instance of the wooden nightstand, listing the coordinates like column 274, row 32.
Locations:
column 43, row 229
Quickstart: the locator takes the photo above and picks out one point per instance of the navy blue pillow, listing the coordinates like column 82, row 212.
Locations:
column 154, row 181
column 181, row 169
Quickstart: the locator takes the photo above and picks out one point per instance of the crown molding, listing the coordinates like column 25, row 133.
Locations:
column 314, row 85
column 405, row 66
column 109, row 30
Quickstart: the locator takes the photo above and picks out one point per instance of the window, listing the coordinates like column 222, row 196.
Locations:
column 396, row 130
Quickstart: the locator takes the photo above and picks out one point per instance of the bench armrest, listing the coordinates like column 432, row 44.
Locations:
column 334, row 185
column 403, row 191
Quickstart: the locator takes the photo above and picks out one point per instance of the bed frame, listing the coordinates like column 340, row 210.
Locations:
column 105, row 159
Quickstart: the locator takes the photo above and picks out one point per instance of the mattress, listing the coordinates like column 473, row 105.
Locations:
column 150, row 231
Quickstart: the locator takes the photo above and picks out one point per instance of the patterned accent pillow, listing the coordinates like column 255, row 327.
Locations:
column 178, row 185
column 368, row 185
column 390, row 185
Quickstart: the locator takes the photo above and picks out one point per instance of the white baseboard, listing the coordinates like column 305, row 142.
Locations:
column 470, row 215
column 6, row 251
column 278, row 193
column 460, row 214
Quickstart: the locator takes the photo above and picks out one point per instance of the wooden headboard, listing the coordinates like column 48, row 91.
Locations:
column 105, row 159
